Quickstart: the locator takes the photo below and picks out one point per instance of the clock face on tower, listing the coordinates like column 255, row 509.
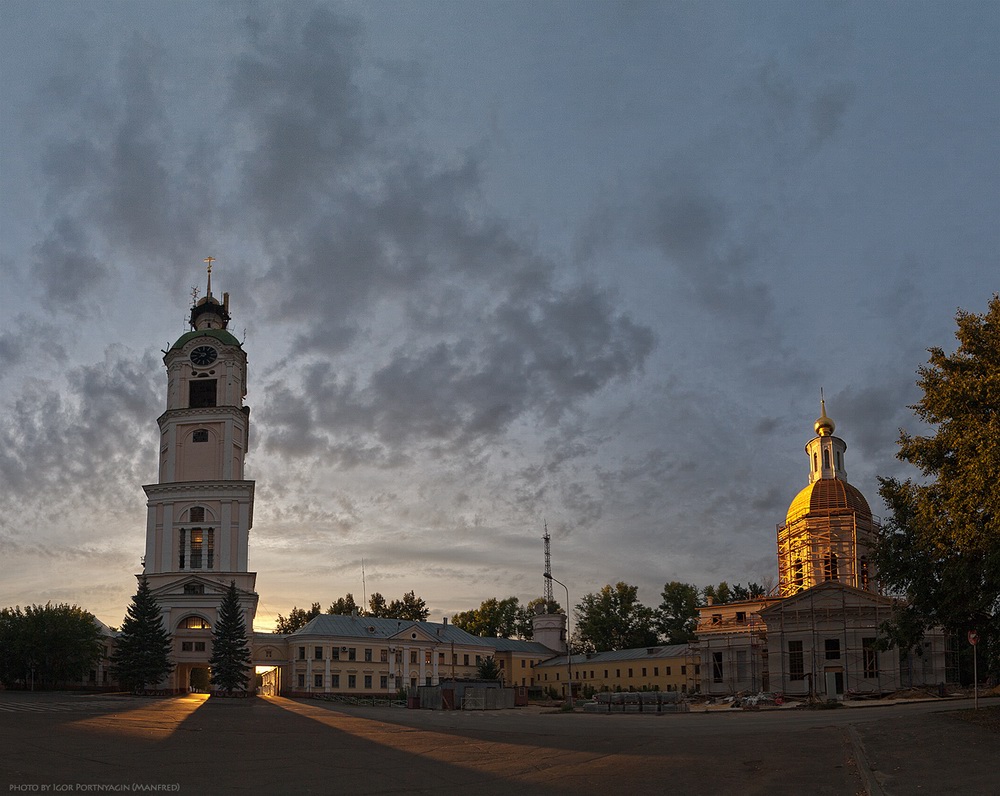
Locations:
column 204, row 355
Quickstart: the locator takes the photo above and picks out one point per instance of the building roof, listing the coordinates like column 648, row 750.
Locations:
column 518, row 645
column 356, row 626
column 224, row 337
column 636, row 654
column 827, row 496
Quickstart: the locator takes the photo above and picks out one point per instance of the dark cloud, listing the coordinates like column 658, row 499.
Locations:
column 70, row 277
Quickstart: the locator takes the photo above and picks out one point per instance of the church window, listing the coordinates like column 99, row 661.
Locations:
column 815, row 462
column 797, row 574
column 717, row 672
column 840, row 462
column 826, row 459
column 870, row 657
column 830, row 566
column 195, row 623
column 202, row 393
column 832, row 646
column 197, row 540
column 796, row 661
column 201, row 435
column 194, row 588
column 197, row 513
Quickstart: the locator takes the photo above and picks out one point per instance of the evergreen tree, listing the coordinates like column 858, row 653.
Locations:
column 142, row 653
column 940, row 545
column 298, row 617
column 230, row 661
column 677, row 616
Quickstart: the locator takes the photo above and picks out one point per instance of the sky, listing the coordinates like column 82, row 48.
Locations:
column 496, row 266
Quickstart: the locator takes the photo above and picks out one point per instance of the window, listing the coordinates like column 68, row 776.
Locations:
column 187, row 646
column 716, row 619
column 605, row 674
column 413, row 656
column 302, row 653
column 195, row 623
column 479, row 659
column 441, row 658
column 368, row 682
column 522, row 663
column 741, row 617
column 201, row 435
column 267, row 653
column 383, row 682
column 796, row 663
column 815, row 462
column 201, row 393
column 629, row 672
column 797, row 574
column 643, row 671
column 832, row 646
column 318, row 680
column 334, row 681
column 465, row 661
column 318, row 653
column 618, row 672
column 335, row 653
column 181, row 539
column 830, row 566
column 656, row 671
column 684, row 670
column 197, row 514
column 194, row 588
column 368, row 656
column 352, row 681
column 870, row 657
column 826, row 459
column 427, row 656
column 742, row 667
column 302, row 681
column 210, row 548
column 427, row 680
column 352, row 654
column 717, row 667
column 383, row 656
column 197, row 539
column 199, row 646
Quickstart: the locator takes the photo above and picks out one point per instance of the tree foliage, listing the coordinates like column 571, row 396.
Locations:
column 231, row 661
column 489, row 669
column 344, row 606
column 940, row 545
column 142, row 652
column 677, row 617
column 614, row 619
column 410, row 607
column 297, row 618
column 45, row 645
column 496, row 618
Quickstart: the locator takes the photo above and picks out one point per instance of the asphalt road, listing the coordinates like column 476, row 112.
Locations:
column 192, row 745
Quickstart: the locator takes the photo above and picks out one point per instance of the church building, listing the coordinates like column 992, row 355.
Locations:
column 817, row 635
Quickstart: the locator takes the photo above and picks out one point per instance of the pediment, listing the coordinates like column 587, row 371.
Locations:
column 181, row 587
column 414, row 633
column 829, row 595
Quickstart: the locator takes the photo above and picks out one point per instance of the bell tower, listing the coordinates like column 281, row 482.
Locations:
column 200, row 512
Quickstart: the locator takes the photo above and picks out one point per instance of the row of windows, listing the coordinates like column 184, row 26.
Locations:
column 351, row 654
column 352, row 681
column 192, row 646
column 618, row 672
column 196, row 547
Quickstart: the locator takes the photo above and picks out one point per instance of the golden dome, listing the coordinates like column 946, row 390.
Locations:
column 824, row 426
column 827, row 496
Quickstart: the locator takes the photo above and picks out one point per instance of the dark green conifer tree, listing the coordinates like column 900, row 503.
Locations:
column 230, row 661
column 142, row 652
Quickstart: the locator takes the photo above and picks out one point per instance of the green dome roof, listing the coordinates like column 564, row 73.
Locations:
column 221, row 335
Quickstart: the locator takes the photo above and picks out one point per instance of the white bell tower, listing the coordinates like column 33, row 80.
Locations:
column 200, row 512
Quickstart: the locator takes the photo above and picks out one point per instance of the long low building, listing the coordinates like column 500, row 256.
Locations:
column 675, row 667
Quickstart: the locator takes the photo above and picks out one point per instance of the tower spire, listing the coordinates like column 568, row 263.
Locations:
column 209, row 260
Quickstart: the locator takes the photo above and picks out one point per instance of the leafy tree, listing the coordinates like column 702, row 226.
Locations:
column 410, row 607
column 720, row 594
column 47, row 644
column 614, row 619
column 677, row 616
column 298, row 618
column 230, row 661
column 489, row 669
column 344, row 606
column 940, row 546
column 142, row 653
column 494, row 618
column 377, row 606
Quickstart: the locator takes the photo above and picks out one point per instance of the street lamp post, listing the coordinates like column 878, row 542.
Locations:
column 569, row 654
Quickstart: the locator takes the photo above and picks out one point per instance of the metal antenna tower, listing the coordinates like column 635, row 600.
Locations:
column 548, row 567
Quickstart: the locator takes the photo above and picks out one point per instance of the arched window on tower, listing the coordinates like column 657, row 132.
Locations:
column 815, row 462
column 826, row 459
column 830, row 566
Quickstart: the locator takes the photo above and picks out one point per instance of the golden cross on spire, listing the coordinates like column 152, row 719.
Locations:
column 209, row 260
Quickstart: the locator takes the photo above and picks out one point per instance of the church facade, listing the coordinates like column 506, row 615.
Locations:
column 818, row 635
